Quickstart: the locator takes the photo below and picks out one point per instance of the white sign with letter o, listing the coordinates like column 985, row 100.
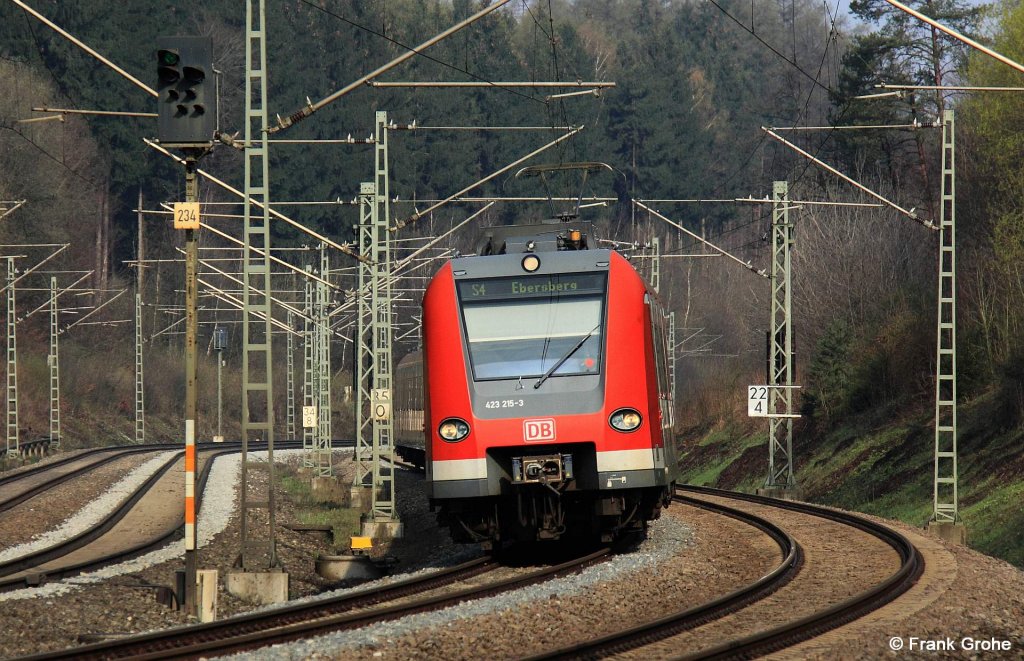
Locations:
column 380, row 403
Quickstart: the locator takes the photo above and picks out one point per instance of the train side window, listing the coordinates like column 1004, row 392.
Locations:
column 658, row 337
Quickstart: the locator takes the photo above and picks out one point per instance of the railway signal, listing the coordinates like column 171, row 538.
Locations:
column 186, row 91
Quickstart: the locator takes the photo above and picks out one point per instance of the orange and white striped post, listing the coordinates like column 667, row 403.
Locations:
column 190, row 486
column 191, row 332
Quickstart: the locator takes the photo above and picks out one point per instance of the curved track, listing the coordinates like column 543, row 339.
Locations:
column 16, row 489
column 684, row 620
column 910, row 569
column 779, row 637
column 44, row 565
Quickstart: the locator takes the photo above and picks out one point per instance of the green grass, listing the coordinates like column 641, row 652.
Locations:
column 344, row 522
column 886, row 470
column 995, row 524
column 717, row 437
column 297, row 488
column 311, row 510
column 708, row 477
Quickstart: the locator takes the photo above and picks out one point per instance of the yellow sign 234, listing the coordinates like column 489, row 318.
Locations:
column 186, row 215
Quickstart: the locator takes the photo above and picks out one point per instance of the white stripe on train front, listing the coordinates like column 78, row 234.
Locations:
column 625, row 460
column 459, row 469
column 476, row 469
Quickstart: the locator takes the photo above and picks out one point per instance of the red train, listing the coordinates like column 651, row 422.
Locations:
column 542, row 392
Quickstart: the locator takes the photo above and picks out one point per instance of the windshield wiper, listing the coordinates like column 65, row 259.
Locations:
column 566, row 357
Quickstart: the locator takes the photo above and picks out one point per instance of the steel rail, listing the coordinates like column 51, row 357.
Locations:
column 255, row 630
column 299, row 615
column 31, row 492
column 35, row 470
column 101, row 528
column 690, row 618
column 819, row 622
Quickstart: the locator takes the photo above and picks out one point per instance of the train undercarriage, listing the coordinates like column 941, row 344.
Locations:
column 540, row 512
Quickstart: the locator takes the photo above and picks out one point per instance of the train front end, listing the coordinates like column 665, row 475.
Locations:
column 547, row 412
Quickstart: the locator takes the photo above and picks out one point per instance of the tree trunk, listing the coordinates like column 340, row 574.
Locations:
column 105, row 246
column 98, row 251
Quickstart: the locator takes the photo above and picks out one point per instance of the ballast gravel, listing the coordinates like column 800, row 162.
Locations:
column 218, row 507
column 667, row 538
column 690, row 557
column 44, row 512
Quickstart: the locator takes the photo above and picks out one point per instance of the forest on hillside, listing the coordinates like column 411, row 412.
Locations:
column 695, row 80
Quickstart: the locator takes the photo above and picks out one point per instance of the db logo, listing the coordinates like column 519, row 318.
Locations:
column 535, row 431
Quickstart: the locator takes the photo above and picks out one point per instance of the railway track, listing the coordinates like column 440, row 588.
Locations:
column 16, row 489
column 306, row 620
column 30, row 482
column 298, row 621
column 46, row 564
column 690, row 618
column 911, row 567
column 774, row 638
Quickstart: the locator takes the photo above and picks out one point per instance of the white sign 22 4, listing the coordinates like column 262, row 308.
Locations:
column 757, row 401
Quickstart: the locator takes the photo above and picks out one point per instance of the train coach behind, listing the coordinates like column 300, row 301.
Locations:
column 408, row 409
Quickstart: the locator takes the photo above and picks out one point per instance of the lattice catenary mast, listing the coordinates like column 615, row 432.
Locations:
column 290, row 381
column 946, row 497
column 322, row 329
column 309, row 398
column 54, row 363
column 140, row 390
column 12, row 366
column 383, row 508
column 363, row 456
column 780, row 346
column 258, row 544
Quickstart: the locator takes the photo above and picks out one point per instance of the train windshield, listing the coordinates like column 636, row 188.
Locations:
column 523, row 327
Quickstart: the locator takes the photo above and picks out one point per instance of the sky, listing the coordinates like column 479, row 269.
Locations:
column 844, row 5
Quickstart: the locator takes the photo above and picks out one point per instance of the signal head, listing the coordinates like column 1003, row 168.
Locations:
column 185, row 91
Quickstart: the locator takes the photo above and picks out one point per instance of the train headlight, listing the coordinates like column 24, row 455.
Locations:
column 625, row 420
column 531, row 263
column 453, row 430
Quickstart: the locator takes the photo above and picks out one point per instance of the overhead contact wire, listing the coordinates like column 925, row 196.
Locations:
column 420, row 53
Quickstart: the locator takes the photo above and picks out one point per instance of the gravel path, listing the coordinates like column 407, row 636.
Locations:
column 97, row 507
column 48, row 510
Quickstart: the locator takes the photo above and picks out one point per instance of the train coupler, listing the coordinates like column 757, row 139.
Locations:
column 542, row 469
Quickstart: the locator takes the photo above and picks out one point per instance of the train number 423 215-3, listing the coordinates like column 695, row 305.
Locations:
column 503, row 403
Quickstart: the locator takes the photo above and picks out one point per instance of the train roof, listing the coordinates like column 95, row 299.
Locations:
column 550, row 236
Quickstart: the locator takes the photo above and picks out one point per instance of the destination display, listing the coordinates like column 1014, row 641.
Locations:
column 532, row 286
